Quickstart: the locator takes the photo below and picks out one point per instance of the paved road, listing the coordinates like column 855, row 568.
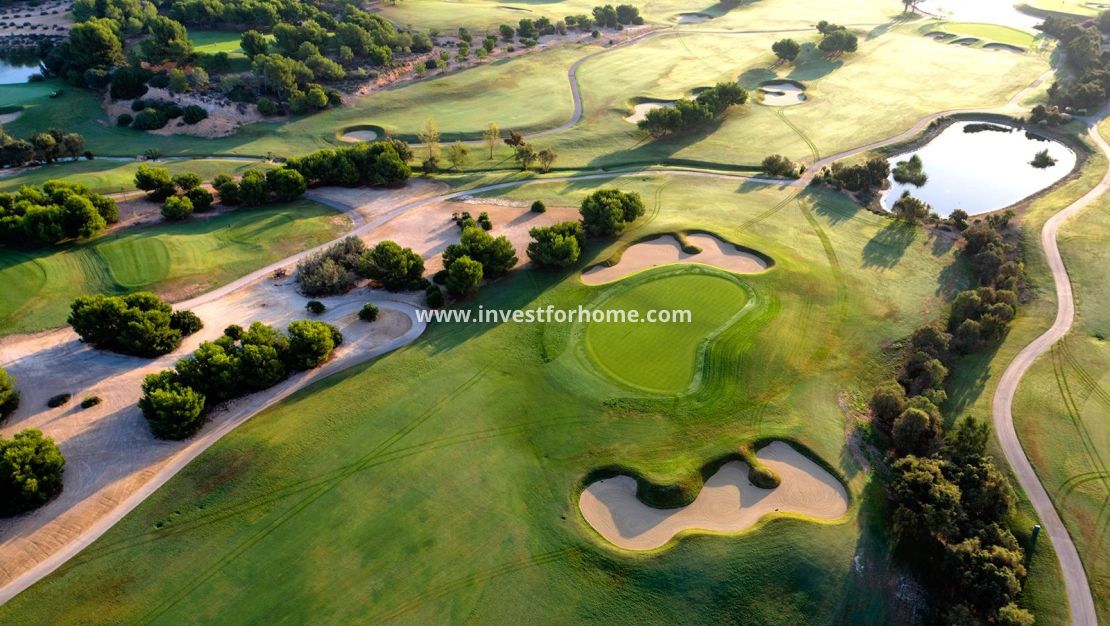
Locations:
column 1075, row 577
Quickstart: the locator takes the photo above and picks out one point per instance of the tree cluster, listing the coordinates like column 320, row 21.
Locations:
column 911, row 171
column 138, row 324
column 477, row 255
column 836, row 39
column 396, row 268
column 558, row 245
column 1082, row 44
column 779, row 165
column 859, row 177
column 606, row 212
column 53, row 213
column 706, row 106
column 379, row 163
column 31, row 468
column 175, row 402
column 332, row 271
column 45, row 147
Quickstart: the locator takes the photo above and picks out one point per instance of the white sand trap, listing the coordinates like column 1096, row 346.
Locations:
column 640, row 111
column 666, row 251
column 727, row 503
column 1004, row 47
column 356, row 136
column 782, row 94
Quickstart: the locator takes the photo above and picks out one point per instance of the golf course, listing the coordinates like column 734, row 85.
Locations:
column 797, row 374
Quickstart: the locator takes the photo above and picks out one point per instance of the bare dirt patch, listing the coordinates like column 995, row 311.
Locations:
column 728, row 502
column 224, row 118
column 667, row 250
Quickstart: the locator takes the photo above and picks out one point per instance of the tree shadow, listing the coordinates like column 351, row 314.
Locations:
column 834, row 212
column 812, row 64
column 752, row 78
column 889, row 245
column 970, row 377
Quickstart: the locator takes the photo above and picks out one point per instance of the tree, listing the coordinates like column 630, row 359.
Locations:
column 556, row 246
column 253, row 190
column 507, row 32
column 138, row 324
column 546, row 158
column 177, row 208
column 514, row 139
column 311, row 343
column 838, row 42
column 172, row 410
column 168, row 40
column 430, row 137
column 926, row 504
column 396, row 268
column 458, row 155
column 155, row 181
column 9, row 396
column 786, row 49
column 778, row 165
column 915, row 432
column 201, row 199
column 368, row 312
column 253, row 43
column 526, row 155
column 285, row 184
column 887, row 403
column 464, row 276
column 92, row 44
column 910, row 209
column 496, row 255
column 186, row 181
column 606, row 212
column 31, row 468
column 491, row 136
column 73, row 145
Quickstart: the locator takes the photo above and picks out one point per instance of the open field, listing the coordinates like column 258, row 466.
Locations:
column 844, row 281
column 178, row 260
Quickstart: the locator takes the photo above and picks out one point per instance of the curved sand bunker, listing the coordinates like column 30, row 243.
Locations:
column 666, row 250
column 1004, row 47
column 727, row 503
column 782, row 93
column 966, row 41
column 640, row 111
column 355, row 136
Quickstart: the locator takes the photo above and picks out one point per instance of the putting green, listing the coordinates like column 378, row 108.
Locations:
column 178, row 260
column 663, row 356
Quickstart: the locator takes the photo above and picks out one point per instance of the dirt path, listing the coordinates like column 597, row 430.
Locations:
column 1080, row 599
column 727, row 503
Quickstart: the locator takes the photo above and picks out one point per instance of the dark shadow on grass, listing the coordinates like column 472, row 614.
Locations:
column 889, row 245
column 828, row 207
column 812, row 64
column 752, row 78
column 968, row 379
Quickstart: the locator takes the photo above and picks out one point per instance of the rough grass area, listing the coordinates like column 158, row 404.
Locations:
column 178, row 260
column 107, row 176
column 453, row 477
column 657, row 356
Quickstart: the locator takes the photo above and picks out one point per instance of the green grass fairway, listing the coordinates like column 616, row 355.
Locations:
column 213, row 41
column 175, row 259
column 446, row 474
column 108, row 176
column 664, row 357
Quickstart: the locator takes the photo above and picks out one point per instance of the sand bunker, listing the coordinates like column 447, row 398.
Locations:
column 966, row 41
column 666, row 251
column 1005, row 47
column 355, row 136
column 727, row 503
column 782, row 93
column 692, row 18
column 640, row 111
column 939, row 35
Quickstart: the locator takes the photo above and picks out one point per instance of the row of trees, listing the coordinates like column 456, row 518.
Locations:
column 859, row 177
column 182, row 194
column 950, row 503
column 176, row 402
column 1082, row 42
column 53, row 213
column 138, row 324
column 45, row 147
column 31, row 468
column 706, row 106
column 379, row 163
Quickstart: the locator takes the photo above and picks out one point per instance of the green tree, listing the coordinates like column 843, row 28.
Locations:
column 155, row 181
column 253, row 190
column 786, row 50
column 458, row 155
column 9, row 396
column 496, row 255
column 606, row 212
column 253, row 43
column 556, row 246
column 285, row 184
column 177, row 208
column 464, row 276
column 31, row 468
column 915, row 432
column 396, row 268
column 926, row 504
column 311, row 343
column 172, row 410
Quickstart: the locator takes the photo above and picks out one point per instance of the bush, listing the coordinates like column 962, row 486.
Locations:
column 496, row 255
column 433, row 297
column 311, row 343
column 9, row 396
column 138, row 324
column 539, row 207
column 315, row 307
column 201, row 198
column 268, row 107
column 464, row 276
column 177, row 208
column 124, row 119
column 90, row 401
column 606, row 212
column 172, row 410
column 778, row 165
column 149, row 119
column 192, row 114
column 186, row 181
column 396, row 268
column 556, row 246
column 31, row 468
column 58, row 400
column 368, row 313
column 228, row 188
column 332, row 271
column 185, row 321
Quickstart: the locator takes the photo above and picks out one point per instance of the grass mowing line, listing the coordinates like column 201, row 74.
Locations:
column 812, row 146
column 1098, row 392
column 327, row 486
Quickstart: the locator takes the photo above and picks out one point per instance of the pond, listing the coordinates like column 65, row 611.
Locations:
column 17, row 70
column 981, row 171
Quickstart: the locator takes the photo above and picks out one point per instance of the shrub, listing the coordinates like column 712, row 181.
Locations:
column 763, row 477
column 315, row 307
column 496, row 255
column 172, row 410
column 201, row 198
column 396, row 268
column 268, row 107
column 192, row 114
column 464, row 276
column 31, row 468
column 186, row 181
column 311, row 343
column 539, row 207
column 90, row 402
column 332, row 271
column 285, row 184
column 368, row 313
column 138, row 324
column 9, row 396
column 484, row 221
column 58, row 400
column 177, row 208
column 185, row 321
column 778, row 165
column 149, row 119
column 124, row 119
column 556, row 246
column 433, row 296
column 606, row 212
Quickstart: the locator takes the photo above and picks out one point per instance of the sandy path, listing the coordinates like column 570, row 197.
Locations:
column 666, row 250
column 1080, row 600
column 727, row 503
